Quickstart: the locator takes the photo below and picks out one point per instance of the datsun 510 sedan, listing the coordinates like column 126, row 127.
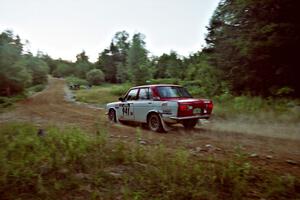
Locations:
column 159, row 106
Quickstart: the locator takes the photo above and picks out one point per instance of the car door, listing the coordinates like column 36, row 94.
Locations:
column 143, row 104
column 127, row 109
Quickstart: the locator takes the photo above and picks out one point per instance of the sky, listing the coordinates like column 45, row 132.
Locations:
column 64, row 28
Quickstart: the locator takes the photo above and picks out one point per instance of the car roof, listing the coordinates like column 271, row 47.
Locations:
column 155, row 85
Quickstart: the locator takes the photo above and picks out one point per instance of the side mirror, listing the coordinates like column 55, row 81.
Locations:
column 121, row 99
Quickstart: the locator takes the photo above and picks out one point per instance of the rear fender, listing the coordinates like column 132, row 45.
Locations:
column 165, row 126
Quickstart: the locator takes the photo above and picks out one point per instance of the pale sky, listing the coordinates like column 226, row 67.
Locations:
column 63, row 28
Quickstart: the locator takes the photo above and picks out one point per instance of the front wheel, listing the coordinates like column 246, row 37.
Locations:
column 154, row 123
column 112, row 116
column 189, row 124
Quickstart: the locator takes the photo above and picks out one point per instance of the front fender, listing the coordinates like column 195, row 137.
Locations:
column 116, row 112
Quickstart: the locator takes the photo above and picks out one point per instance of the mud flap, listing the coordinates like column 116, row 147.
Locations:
column 164, row 125
column 199, row 123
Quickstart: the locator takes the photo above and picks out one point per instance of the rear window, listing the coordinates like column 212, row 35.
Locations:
column 173, row 92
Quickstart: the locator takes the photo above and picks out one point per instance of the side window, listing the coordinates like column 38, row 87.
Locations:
column 145, row 94
column 132, row 95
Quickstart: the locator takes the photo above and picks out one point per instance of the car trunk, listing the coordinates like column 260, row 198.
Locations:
column 194, row 107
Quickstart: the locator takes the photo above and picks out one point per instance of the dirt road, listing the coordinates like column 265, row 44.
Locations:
column 50, row 107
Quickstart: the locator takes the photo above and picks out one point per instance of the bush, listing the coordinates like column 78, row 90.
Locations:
column 64, row 69
column 5, row 102
column 164, row 81
column 9, row 101
column 119, row 90
column 75, row 80
column 95, row 77
column 36, row 88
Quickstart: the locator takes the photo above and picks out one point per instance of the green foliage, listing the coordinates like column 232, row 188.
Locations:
column 6, row 102
column 82, row 65
column 52, row 64
column 75, row 164
column 103, row 94
column 120, row 90
column 253, row 43
column 35, row 88
column 169, row 66
column 138, row 62
column 36, row 67
column 122, row 44
column 164, row 81
column 281, row 92
column 71, row 80
column 112, row 61
column 30, row 164
column 95, row 77
column 13, row 79
column 81, row 69
column 99, row 95
column 17, row 70
column 64, row 69
column 263, row 110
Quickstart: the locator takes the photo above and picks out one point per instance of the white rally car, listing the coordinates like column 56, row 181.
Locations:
column 159, row 106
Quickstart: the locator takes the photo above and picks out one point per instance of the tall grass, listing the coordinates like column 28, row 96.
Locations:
column 102, row 94
column 71, row 164
column 263, row 109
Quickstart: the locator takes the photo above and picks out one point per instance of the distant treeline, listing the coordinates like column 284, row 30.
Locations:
column 251, row 49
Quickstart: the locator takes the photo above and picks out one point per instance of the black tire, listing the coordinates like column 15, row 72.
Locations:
column 189, row 124
column 154, row 123
column 112, row 116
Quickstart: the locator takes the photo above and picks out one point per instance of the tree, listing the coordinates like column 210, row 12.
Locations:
column 36, row 67
column 255, row 44
column 95, row 77
column 82, row 65
column 107, row 65
column 120, row 41
column 64, row 69
column 52, row 64
column 138, row 63
column 169, row 66
column 13, row 78
column 82, row 57
column 112, row 61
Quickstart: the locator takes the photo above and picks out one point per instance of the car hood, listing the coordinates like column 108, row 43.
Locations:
column 113, row 103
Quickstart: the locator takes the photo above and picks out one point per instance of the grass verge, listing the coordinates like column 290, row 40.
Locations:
column 68, row 163
column 101, row 94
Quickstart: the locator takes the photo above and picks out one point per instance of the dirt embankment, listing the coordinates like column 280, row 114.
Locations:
column 50, row 107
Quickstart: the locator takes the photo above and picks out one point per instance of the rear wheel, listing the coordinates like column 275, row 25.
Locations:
column 189, row 124
column 154, row 123
column 112, row 115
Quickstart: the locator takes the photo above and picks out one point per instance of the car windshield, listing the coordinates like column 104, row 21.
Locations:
column 173, row 92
